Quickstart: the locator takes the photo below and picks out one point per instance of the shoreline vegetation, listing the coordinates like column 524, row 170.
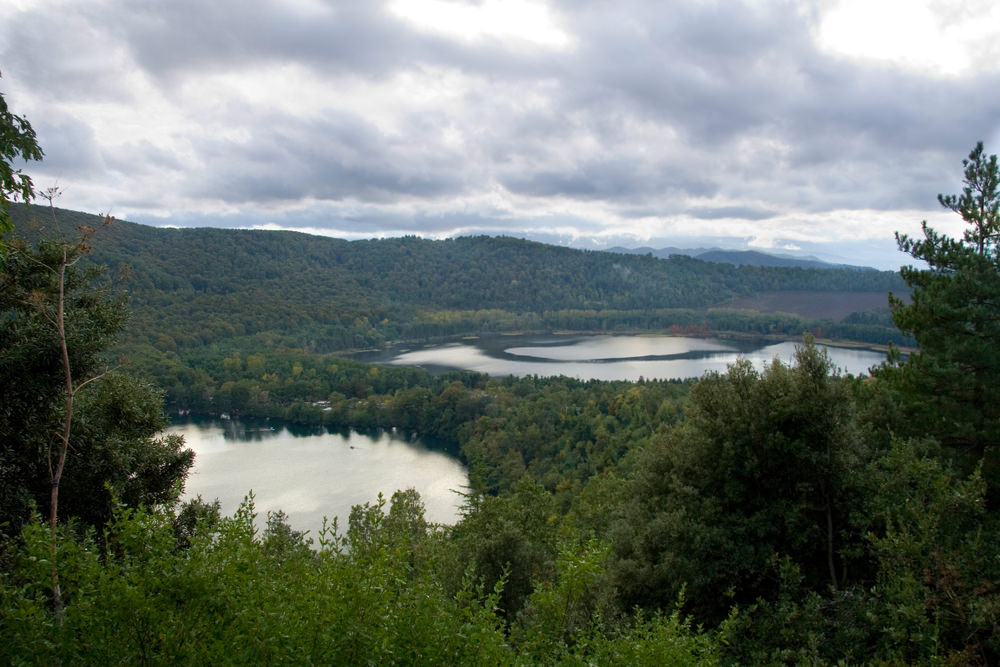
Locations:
column 745, row 517
column 730, row 335
column 784, row 515
column 348, row 392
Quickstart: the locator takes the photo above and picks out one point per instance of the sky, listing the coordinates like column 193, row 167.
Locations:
column 804, row 127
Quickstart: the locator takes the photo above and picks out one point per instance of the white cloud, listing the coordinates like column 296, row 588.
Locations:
column 514, row 22
column 943, row 37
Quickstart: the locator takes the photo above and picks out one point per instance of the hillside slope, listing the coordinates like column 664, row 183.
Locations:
column 196, row 286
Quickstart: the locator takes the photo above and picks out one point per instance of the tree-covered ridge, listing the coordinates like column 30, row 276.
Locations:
column 195, row 286
column 789, row 515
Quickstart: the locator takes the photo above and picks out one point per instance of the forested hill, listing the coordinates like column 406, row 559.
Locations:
column 241, row 282
column 739, row 257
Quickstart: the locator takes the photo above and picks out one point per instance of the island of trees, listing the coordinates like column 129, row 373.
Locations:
column 785, row 515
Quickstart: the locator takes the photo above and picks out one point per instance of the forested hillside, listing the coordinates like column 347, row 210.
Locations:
column 190, row 287
column 784, row 515
column 740, row 257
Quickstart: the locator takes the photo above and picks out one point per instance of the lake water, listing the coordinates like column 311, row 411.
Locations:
column 610, row 357
column 312, row 473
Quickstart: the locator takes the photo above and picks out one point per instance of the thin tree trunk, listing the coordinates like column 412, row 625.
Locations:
column 829, row 542
column 56, row 474
column 827, row 485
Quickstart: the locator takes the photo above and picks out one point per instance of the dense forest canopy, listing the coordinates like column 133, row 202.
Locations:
column 465, row 273
column 192, row 287
column 783, row 515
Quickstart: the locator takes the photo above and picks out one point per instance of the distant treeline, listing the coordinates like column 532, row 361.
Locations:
column 784, row 515
column 192, row 287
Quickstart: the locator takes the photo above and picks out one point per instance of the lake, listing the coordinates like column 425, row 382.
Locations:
column 314, row 472
column 608, row 357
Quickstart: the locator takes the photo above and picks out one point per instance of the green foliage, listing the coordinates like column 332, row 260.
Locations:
column 232, row 595
column 562, row 431
column 509, row 540
column 118, row 451
column 194, row 518
column 799, row 626
column 938, row 588
column 950, row 389
column 113, row 448
column 235, row 597
column 194, row 287
column 664, row 639
column 17, row 142
column 759, row 470
column 562, row 611
column 565, row 622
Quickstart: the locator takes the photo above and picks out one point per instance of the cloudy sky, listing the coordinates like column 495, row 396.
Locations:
column 813, row 126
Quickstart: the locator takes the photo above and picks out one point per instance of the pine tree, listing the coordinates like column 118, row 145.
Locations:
column 951, row 387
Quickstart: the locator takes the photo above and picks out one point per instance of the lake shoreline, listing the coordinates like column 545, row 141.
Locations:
column 644, row 333
column 311, row 473
column 609, row 357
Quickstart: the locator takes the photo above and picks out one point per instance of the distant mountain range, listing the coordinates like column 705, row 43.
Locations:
column 739, row 257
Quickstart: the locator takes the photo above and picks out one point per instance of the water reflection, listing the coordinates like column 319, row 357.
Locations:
column 312, row 472
column 608, row 348
column 615, row 357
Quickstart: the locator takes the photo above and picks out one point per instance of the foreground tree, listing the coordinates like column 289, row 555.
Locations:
column 758, row 472
column 56, row 322
column 17, row 142
column 937, row 594
column 950, row 388
column 66, row 422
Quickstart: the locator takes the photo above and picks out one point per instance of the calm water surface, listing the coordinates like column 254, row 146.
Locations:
column 315, row 473
column 312, row 473
column 610, row 357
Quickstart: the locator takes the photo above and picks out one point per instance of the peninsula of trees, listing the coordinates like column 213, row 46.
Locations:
column 784, row 515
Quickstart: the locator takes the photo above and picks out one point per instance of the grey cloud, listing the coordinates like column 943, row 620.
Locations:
column 62, row 55
column 184, row 37
column 335, row 158
column 655, row 104
column 740, row 212
column 70, row 147
column 143, row 158
column 693, row 64
column 179, row 37
column 718, row 78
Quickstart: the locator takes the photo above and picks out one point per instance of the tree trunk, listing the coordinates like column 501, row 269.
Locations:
column 56, row 473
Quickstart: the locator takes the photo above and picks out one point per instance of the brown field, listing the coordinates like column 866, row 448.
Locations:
column 812, row 305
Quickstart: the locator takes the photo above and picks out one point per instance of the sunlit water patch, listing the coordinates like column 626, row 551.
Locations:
column 312, row 473
column 614, row 357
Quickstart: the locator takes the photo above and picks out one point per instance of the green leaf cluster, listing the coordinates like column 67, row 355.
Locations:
column 18, row 142
column 114, row 446
column 950, row 388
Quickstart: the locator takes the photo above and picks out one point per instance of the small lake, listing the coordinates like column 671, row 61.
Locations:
column 609, row 357
column 314, row 472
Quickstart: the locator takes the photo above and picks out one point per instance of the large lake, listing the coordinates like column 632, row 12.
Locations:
column 312, row 473
column 608, row 357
